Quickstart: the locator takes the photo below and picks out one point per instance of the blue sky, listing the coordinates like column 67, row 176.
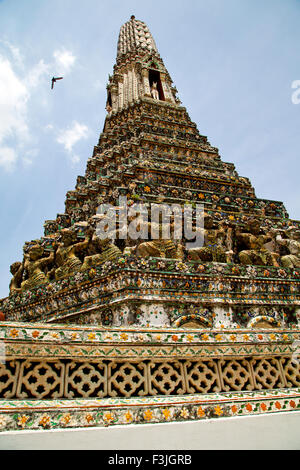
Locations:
column 233, row 63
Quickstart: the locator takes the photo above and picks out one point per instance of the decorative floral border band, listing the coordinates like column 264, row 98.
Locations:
column 62, row 414
column 66, row 334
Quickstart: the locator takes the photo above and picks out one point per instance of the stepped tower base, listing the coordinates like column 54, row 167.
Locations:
column 126, row 331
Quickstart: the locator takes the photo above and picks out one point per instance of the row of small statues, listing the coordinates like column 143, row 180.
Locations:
column 222, row 243
column 252, row 245
column 228, row 244
column 65, row 259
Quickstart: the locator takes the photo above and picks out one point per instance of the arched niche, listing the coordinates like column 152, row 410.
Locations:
column 154, row 77
column 108, row 106
column 193, row 322
column 263, row 322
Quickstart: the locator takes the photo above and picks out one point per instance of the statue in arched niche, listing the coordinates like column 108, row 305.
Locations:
column 154, row 91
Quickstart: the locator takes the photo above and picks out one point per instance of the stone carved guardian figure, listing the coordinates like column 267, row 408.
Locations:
column 254, row 240
column 292, row 243
column 67, row 261
column 16, row 270
column 217, row 243
column 100, row 251
column 34, row 266
column 159, row 247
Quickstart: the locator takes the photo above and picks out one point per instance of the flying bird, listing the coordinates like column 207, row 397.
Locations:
column 54, row 80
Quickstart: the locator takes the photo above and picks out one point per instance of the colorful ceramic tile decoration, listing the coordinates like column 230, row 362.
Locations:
column 99, row 331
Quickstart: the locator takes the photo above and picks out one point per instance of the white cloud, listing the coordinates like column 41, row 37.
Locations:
column 27, row 161
column 15, row 52
column 29, row 156
column 75, row 159
column 34, row 77
column 13, row 112
column 15, row 92
column 64, row 60
column 13, row 100
column 8, row 158
column 69, row 137
column 18, row 84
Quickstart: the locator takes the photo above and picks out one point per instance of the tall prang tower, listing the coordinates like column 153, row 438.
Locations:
column 198, row 332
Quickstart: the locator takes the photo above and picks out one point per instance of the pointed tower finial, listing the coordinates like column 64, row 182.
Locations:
column 139, row 72
column 135, row 36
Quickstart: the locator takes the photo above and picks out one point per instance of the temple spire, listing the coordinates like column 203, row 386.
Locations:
column 135, row 35
column 139, row 72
